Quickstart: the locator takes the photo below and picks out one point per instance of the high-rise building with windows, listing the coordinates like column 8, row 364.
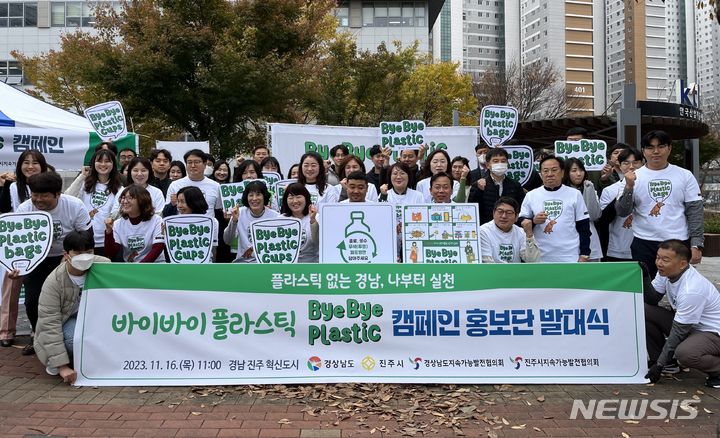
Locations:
column 36, row 27
column 570, row 35
column 373, row 22
column 655, row 44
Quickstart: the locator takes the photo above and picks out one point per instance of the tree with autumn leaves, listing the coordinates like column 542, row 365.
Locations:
column 221, row 70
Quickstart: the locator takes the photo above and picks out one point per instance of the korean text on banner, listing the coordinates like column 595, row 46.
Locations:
column 302, row 323
column 357, row 232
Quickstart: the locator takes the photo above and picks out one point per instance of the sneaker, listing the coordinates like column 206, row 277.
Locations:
column 671, row 368
column 29, row 350
column 713, row 382
column 53, row 371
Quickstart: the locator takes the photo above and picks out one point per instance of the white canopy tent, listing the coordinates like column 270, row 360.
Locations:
column 22, row 110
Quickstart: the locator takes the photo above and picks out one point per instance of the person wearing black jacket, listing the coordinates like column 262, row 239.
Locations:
column 377, row 175
column 494, row 185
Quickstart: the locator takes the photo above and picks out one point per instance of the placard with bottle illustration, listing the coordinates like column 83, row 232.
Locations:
column 357, row 232
column 441, row 233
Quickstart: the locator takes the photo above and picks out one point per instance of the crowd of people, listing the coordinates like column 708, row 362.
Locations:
column 639, row 207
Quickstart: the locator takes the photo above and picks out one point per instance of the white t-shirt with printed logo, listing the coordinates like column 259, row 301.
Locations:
column 620, row 229
column 99, row 204
column 156, row 195
column 209, row 188
column 245, row 218
column 501, row 246
column 695, row 300
column 69, row 215
column 139, row 238
column 557, row 238
column 659, row 197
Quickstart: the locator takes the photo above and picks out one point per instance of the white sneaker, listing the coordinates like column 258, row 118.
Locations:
column 53, row 371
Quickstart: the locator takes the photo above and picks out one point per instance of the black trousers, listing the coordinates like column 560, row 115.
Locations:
column 645, row 251
column 658, row 322
column 33, row 283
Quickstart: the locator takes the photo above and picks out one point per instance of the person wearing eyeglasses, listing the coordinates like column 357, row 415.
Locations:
column 501, row 241
column 620, row 232
column 558, row 216
column 665, row 201
column 195, row 162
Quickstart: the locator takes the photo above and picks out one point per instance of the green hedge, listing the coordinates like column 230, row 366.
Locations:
column 712, row 223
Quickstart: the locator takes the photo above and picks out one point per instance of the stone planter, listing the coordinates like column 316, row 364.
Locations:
column 712, row 245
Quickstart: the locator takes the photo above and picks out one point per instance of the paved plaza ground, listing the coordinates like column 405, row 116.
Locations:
column 35, row 404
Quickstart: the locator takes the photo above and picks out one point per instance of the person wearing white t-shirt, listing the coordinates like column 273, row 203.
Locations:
column 191, row 201
column 438, row 161
column 620, row 233
column 195, row 161
column 14, row 192
column 296, row 204
column 349, row 165
column 356, row 185
column 559, row 215
column 690, row 332
column 501, row 241
column 665, row 201
column 314, row 177
column 139, row 172
column 398, row 192
column 98, row 189
column 138, row 233
column 68, row 214
column 254, row 200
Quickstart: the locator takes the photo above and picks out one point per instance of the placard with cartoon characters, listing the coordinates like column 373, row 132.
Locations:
column 441, row 233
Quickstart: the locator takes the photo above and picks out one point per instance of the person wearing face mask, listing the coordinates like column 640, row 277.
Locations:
column 59, row 304
column 481, row 171
column 488, row 189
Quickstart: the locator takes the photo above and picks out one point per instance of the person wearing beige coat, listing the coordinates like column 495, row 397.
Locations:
column 59, row 304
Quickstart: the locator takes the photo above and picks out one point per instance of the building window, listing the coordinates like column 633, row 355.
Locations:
column 11, row 73
column 393, row 14
column 18, row 14
column 342, row 13
column 76, row 14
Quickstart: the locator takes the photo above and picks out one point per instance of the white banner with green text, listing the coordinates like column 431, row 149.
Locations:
column 154, row 324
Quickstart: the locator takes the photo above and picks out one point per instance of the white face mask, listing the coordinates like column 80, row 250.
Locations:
column 82, row 262
column 208, row 171
column 499, row 169
column 481, row 159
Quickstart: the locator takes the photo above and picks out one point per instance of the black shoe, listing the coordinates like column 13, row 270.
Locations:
column 713, row 382
column 29, row 350
column 7, row 342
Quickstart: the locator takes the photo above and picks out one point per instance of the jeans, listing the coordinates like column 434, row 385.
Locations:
column 69, row 334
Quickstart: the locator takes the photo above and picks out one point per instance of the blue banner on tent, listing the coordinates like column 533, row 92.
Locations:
column 5, row 120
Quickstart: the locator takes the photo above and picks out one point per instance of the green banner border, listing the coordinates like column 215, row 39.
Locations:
column 257, row 278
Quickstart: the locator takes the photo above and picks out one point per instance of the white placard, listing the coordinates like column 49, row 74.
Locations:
column 405, row 134
column 498, row 124
column 279, row 190
column 189, row 238
column 441, row 233
column 323, row 323
column 357, row 232
column 520, row 164
column 108, row 120
column 25, row 240
column 590, row 152
column 276, row 240
column 290, row 142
